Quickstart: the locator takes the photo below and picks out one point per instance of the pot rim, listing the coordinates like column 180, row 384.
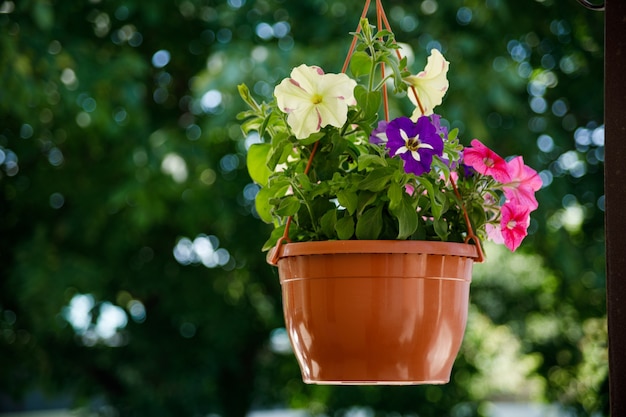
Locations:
column 376, row 246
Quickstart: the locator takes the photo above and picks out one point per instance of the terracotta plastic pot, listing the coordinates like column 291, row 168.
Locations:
column 375, row 312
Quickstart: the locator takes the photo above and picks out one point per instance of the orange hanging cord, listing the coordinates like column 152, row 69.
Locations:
column 471, row 236
column 274, row 253
column 381, row 19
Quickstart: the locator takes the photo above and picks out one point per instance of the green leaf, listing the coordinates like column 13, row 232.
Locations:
column 407, row 216
column 288, row 206
column 442, row 167
column 250, row 125
column 328, row 223
column 477, row 217
column 244, row 92
column 365, row 199
column 348, row 199
column 276, row 234
column 267, row 121
column 368, row 160
column 278, row 188
column 369, row 102
column 360, row 64
column 279, row 151
column 452, row 135
column 311, row 139
column 370, row 223
column 257, row 163
column 303, row 182
column 345, row 227
column 263, row 206
column 377, row 179
column 316, row 209
column 319, row 189
column 436, row 206
column 383, row 33
column 441, row 228
column 395, row 193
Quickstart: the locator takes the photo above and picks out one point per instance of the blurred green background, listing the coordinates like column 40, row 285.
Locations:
column 131, row 277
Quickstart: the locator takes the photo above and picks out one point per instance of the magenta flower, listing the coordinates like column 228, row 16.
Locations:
column 416, row 143
column 486, row 162
column 524, row 182
column 514, row 224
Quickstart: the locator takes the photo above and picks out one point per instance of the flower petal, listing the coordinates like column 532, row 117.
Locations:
column 338, row 86
column 523, row 175
column 486, row 162
column 304, row 121
column 494, row 233
column 290, row 95
column 430, row 85
column 514, row 224
column 333, row 112
column 313, row 99
column 379, row 135
column 307, row 76
column 416, row 143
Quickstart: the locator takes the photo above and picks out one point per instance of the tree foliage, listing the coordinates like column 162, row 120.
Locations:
column 123, row 189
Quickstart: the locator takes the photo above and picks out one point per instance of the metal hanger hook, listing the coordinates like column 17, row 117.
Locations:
column 587, row 4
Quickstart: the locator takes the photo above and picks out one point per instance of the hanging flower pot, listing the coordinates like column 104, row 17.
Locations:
column 381, row 212
column 375, row 312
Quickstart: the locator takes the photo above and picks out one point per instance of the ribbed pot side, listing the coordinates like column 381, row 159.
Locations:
column 376, row 312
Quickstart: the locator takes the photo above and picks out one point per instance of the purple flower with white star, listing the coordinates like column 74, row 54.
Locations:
column 379, row 135
column 441, row 130
column 415, row 143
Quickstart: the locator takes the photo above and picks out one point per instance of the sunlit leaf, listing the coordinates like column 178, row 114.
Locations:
column 257, row 163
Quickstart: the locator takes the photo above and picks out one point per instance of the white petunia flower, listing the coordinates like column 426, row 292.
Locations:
column 313, row 99
column 430, row 85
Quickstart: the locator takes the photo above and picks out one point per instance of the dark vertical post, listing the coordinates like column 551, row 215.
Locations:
column 615, row 198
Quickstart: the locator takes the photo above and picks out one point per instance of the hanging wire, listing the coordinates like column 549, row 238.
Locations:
column 382, row 21
column 597, row 7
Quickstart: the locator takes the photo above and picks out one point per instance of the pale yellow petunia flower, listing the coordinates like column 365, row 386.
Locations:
column 313, row 99
column 431, row 84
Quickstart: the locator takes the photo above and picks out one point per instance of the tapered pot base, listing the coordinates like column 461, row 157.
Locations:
column 376, row 312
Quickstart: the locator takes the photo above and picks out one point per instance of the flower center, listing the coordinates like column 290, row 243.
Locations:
column 316, row 99
column 511, row 224
column 413, row 144
column 489, row 162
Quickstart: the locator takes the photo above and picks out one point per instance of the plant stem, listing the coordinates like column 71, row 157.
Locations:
column 296, row 189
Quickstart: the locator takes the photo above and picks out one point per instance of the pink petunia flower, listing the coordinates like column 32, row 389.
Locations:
column 486, row 162
column 514, row 224
column 494, row 233
column 524, row 182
